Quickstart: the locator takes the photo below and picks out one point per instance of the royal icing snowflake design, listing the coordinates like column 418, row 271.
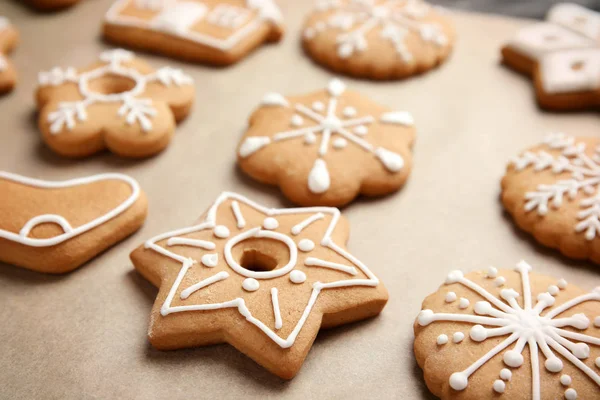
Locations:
column 69, row 232
column 219, row 268
column 337, row 129
column 566, row 48
column 530, row 325
column 181, row 18
column 392, row 21
column 134, row 109
column 584, row 170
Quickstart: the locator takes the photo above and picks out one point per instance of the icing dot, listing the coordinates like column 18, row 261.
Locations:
column 463, row 303
column 483, row 308
column 565, row 380
column 221, row 231
column 597, row 322
column 425, row 317
column 210, row 260
column 492, row 272
column 454, row 277
column 270, row 223
column 361, row 130
column 571, row 394
column 250, row 285
column 310, row 138
column 500, row 281
column 562, row 284
column 297, row 120
column 306, row 245
column 442, row 339
column 505, row 374
column 340, row 143
column 553, row 290
column 318, row 106
column 554, row 364
column 499, row 386
column 349, row 112
column 297, row 276
column 513, row 359
column 450, row 297
column 478, row 333
column 458, row 381
column 458, row 337
column 598, row 362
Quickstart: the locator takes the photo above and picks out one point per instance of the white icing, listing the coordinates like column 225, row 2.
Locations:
column 565, row 380
column 571, row 394
column 297, row 120
column 553, row 290
column 250, row 285
column 295, row 276
column 318, row 178
column 505, row 374
column 204, row 244
column 318, row 106
column 442, row 339
column 523, row 325
column 392, row 161
column 276, row 311
column 458, row 337
column 69, row 231
column 573, row 70
column 398, row 117
column 357, row 24
column 270, row 223
column 349, row 112
column 179, row 17
column 500, row 281
column 361, row 130
column 310, row 138
column 499, row 386
column 306, row 245
column 597, row 322
column 576, row 18
column 340, row 143
column 583, row 178
column 336, row 88
column 237, row 212
column 252, row 144
column 221, row 231
column 492, row 272
column 562, row 284
column 315, row 262
column 204, row 283
column 210, row 260
column 296, row 229
column 133, row 108
column 450, row 297
column 463, row 303
column 274, row 99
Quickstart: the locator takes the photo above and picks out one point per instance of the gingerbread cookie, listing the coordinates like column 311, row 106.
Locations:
column 56, row 227
column 218, row 32
column 51, row 5
column 510, row 334
column 119, row 103
column 551, row 191
column 562, row 55
column 377, row 39
column 327, row 147
column 8, row 41
column 263, row 280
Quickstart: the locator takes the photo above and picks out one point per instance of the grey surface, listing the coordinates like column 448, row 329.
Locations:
column 517, row 8
column 83, row 335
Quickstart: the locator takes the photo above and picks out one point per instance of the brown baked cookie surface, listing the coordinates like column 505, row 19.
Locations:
column 562, row 56
column 509, row 334
column 551, row 190
column 218, row 32
column 327, row 147
column 119, row 103
column 9, row 38
column 263, row 280
column 378, row 39
column 55, row 227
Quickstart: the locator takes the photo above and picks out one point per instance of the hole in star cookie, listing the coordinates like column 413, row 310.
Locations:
column 261, row 255
column 111, row 84
column 577, row 65
column 254, row 260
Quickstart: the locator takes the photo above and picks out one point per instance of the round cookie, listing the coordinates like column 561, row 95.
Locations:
column 522, row 336
column 378, row 39
column 9, row 38
column 551, row 190
column 264, row 280
column 118, row 103
column 562, row 55
column 213, row 32
column 327, row 147
column 55, row 227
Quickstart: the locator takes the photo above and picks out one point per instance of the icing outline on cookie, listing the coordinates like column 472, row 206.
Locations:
column 525, row 326
column 251, row 284
column 69, row 231
column 585, row 179
column 178, row 23
column 132, row 109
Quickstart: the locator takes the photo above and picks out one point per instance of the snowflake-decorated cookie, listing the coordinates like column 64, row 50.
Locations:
column 119, row 103
column 562, row 55
column 264, row 280
column 552, row 191
column 219, row 32
column 56, row 226
column 377, row 39
column 327, row 147
column 8, row 41
column 510, row 334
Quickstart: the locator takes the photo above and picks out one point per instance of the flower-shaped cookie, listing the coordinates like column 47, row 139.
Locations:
column 327, row 147
column 55, row 227
column 553, row 191
column 510, row 334
column 119, row 103
column 219, row 32
column 378, row 39
column 264, row 280
column 562, row 55
column 8, row 41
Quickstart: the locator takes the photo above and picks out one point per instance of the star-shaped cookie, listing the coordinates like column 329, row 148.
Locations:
column 264, row 280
